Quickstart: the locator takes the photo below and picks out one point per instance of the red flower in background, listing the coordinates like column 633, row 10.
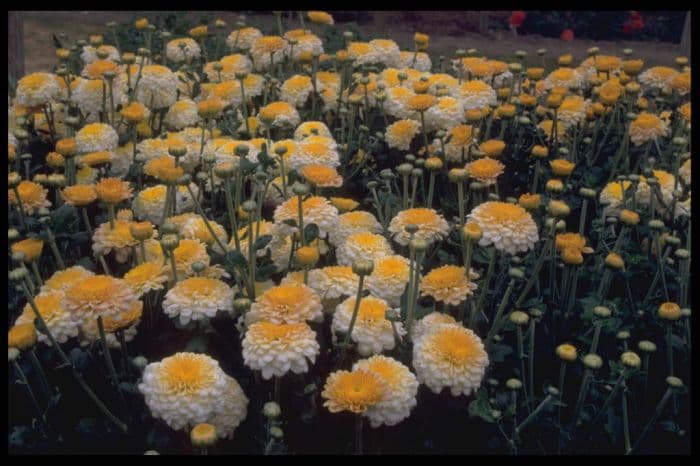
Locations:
column 517, row 18
column 633, row 24
column 567, row 35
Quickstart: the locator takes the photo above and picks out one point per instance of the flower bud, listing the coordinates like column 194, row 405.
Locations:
column 646, row 346
column 418, row 245
column 271, row 410
column 471, row 231
column 276, row 432
column 12, row 354
column 140, row 362
column 558, row 209
column 629, row 217
column 519, row 318
column 630, row 359
column 674, row 382
column 203, row 435
column 241, row 305
column 307, row 256
column 566, row 352
column 362, row 267
column 592, row 361
column 614, row 261
column 514, row 384
column 169, row 242
column 670, row 311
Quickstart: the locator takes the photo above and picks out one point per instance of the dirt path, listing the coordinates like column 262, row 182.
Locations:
column 445, row 29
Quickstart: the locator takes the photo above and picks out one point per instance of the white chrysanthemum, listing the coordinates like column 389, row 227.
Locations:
column 399, row 399
column 178, row 50
column 476, row 94
column 396, row 103
column 181, row 114
column 354, row 222
column 400, row 134
column 296, row 89
column 315, row 209
column 363, row 245
column 228, row 92
column 450, row 356
column 148, row 204
column 684, row 172
column 58, row 319
column 232, row 409
column 389, row 278
column 431, row 225
column 485, row 169
column 268, row 50
column 192, row 226
column 98, row 295
column 242, row 38
column 127, row 323
column 230, row 65
column 683, row 207
column 61, row 280
column 657, row 77
column 105, row 239
column 563, row 77
column 89, row 53
column 286, row 304
column 145, row 277
column 281, row 114
column 185, row 389
column 429, row 322
column 157, row 87
column 448, row 284
column 37, row 89
column 363, row 53
column 409, row 59
column 647, row 127
column 388, row 50
column 88, row 95
column 315, row 150
column 96, row 137
column 334, row 281
column 667, row 183
column 312, row 128
column 572, row 111
column 153, row 148
column 509, row 227
column 308, row 44
column 372, row 332
column 197, row 298
column 275, row 349
column 261, row 228
column 446, row 113
column 121, row 161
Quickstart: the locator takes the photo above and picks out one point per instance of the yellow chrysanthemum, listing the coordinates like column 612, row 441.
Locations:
column 32, row 196
column 146, row 277
column 400, row 133
column 113, row 190
column 485, row 170
column 344, row 204
column 99, row 295
column 197, row 298
column 321, row 176
column 431, row 225
column 509, row 227
column 647, row 127
column 286, row 304
column 31, row 248
column 448, row 284
column 372, row 332
column 355, row 391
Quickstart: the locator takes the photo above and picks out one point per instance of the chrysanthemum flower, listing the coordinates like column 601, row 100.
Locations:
column 476, row 94
column 242, row 38
column 187, row 252
column 30, row 247
column 275, row 349
column 431, row 225
column 389, row 278
column 429, row 322
column 315, row 209
column 192, row 226
column 312, row 128
column 296, row 90
column 157, row 87
column 179, row 50
column 105, row 238
column 98, row 295
column 32, row 196
column 450, row 356
column 89, row 53
column 400, row 133
column 88, row 94
column 387, row 50
column 268, row 50
column 546, row 127
column 333, row 282
column 564, row 77
column 396, row 103
column 37, row 89
column 98, row 68
column 571, row 241
column 647, row 127
column 572, row 111
column 96, row 137
column 363, row 245
column 96, row 159
column 448, row 284
column 684, row 172
column 354, row 222
column 355, row 391
column 286, row 304
column 402, row 388
column 509, row 227
column 372, row 332
column 181, row 114
column 321, row 176
column 197, row 298
column 409, row 59
column 446, row 113
column 362, row 53
column 113, row 190
column 148, row 203
column 61, row 280
column 657, row 77
column 187, row 389
column 279, row 114
column 225, row 91
column 59, row 320
column 146, row 277
column 344, row 204
column 681, row 83
column 320, row 17
column 126, row 322
column 315, row 150
column 485, row 170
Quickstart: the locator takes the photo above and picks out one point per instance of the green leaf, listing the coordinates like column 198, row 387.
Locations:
column 262, row 241
column 499, row 352
column 236, row 259
column 480, row 407
column 310, row 233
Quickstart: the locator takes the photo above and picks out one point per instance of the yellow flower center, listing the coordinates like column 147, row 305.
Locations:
column 455, row 346
column 186, row 373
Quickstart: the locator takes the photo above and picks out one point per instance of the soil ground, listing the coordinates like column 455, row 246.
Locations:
column 448, row 32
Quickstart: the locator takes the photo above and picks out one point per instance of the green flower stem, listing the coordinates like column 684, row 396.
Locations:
column 514, row 404
column 498, row 321
column 142, row 247
column 404, row 201
column 645, row 365
column 232, row 214
column 414, row 189
column 78, row 377
column 604, row 282
column 413, row 297
column 108, row 361
column 43, row 381
column 532, row 415
column 669, row 347
column 659, row 409
column 625, row 418
column 610, row 398
column 378, row 204
column 583, row 391
column 122, row 344
column 431, row 189
column 101, row 258
column 531, row 358
column 521, row 358
column 20, row 207
column 54, row 249
column 572, row 292
column 582, row 218
column 30, row 392
column 486, row 282
column 110, row 210
column 562, row 378
column 597, row 326
column 356, row 308
column 655, row 238
column 276, row 389
column 536, row 269
column 425, row 133
column 35, row 269
column 468, row 250
column 173, row 267
column 358, row 434
column 206, row 222
column 251, row 260
column 460, row 200
column 28, row 278
column 301, row 220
